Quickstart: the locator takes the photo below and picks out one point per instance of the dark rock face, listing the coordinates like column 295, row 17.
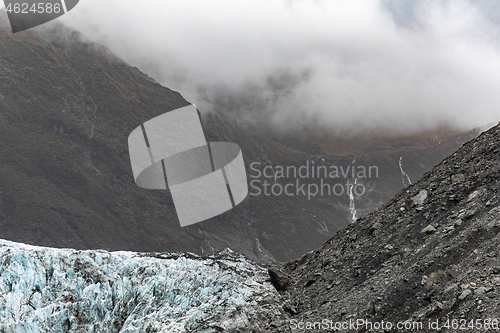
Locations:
column 278, row 279
column 385, row 267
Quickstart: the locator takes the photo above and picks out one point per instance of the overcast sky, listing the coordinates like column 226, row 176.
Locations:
column 364, row 63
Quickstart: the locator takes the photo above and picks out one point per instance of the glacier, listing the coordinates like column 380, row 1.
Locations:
column 65, row 290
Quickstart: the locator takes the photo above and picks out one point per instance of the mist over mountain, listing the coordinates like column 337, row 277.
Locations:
column 353, row 66
column 67, row 107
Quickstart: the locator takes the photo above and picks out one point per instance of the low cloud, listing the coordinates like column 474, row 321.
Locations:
column 347, row 64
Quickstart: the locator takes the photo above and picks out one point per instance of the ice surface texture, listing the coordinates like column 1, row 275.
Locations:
column 61, row 290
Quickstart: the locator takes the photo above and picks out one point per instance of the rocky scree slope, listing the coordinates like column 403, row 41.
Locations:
column 431, row 252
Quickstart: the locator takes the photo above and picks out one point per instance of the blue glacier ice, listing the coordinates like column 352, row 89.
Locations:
column 65, row 290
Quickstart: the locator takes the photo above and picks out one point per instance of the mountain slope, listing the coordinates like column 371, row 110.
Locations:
column 67, row 107
column 430, row 253
column 65, row 114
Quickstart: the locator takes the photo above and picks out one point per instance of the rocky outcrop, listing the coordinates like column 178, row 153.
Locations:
column 278, row 279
